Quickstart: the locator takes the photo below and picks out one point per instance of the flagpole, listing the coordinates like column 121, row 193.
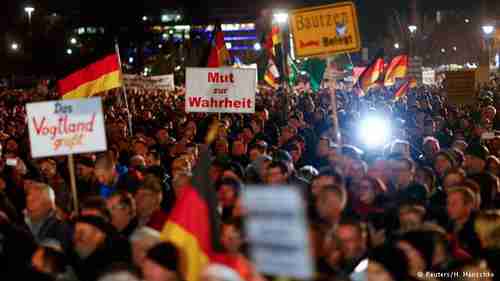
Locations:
column 124, row 90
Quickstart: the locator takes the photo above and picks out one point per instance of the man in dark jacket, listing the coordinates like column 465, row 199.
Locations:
column 97, row 246
column 41, row 217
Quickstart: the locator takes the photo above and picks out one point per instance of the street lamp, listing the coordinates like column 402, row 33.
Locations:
column 69, row 51
column 73, row 41
column 467, row 20
column 413, row 28
column 280, row 17
column 488, row 29
column 14, row 46
column 396, row 46
column 29, row 10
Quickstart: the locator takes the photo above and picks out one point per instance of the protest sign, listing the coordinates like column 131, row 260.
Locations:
column 460, row 86
column 224, row 90
column 66, row 127
column 160, row 82
column 277, row 232
column 429, row 77
column 325, row 30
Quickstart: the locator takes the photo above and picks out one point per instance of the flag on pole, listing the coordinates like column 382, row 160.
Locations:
column 372, row 74
column 272, row 75
column 100, row 76
column 413, row 83
column 402, row 90
column 396, row 69
column 219, row 55
column 192, row 225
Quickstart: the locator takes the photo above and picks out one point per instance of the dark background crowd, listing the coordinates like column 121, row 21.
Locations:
column 422, row 203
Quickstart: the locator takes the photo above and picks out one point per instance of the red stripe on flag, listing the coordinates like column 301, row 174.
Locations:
column 90, row 73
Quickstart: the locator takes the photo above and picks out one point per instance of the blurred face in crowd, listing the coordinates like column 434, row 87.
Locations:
column 431, row 147
column 403, row 174
column 11, row 147
column 151, row 160
column 378, row 170
column 296, row 153
column 226, row 195
column 319, row 183
column 402, row 148
column 48, row 169
column 221, row 147
column 38, row 203
column 239, row 148
column 104, row 175
column 410, row 219
column 162, row 136
column 180, row 170
column 495, row 146
column 458, row 209
column 154, row 272
column 366, row 192
column 441, row 165
column 121, row 214
column 84, row 172
column 352, row 242
column 323, row 148
column 451, row 180
column 329, row 205
column 356, row 170
column 286, row 135
column 254, row 153
column 333, row 252
column 147, row 202
column 474, row 165
column 276, row 176
column 231, row 239
column 415, row 259
column 140, row 148
column 247, row 135
column 429, row 127
column 87, row 239
column 377, row 272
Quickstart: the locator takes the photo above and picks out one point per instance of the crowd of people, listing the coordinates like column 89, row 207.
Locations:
column 420, row 206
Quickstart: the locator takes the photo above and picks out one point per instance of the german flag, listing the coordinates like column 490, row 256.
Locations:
column 396, row 69
column 402, row 90
column 193, row 226
column 413, row 83
column 372, row 74
column 101, row 76
column 272, row 75
column 219, row 55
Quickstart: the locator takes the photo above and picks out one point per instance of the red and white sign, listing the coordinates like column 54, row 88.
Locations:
column 225, row 90
column 66, row 127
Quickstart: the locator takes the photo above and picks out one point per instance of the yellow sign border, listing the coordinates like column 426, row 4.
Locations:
column 356, row 29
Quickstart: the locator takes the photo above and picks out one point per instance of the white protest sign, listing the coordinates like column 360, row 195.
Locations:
column 66, row 127
column 224, row 89
column 277, row 232
column 428, row 77
column 165, row 82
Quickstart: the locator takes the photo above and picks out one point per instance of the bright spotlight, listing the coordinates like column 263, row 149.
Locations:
column 257, row 46
column 396, row 45
column 280, row 17
column 488, row 29
column 69, row 51
column 73, row 41
column 374, row 131
column 131, row 60
column 14, row 46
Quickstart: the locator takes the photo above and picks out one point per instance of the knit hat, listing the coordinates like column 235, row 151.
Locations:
column 165, row 255
column 97, row 222
column 392, row 259
column 478, row 150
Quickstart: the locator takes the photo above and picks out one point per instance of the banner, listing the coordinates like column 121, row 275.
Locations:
column 224, row 89
column 160, row 82
column 277, row 232
column 66, row 127
column 325, row 30
column 429, row 77
column 460, row 86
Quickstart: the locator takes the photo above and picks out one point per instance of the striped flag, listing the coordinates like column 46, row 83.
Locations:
column 402, row 91
column 372, row 74
column 101, row 76
column 272, row 75
column 398, row 68
column 219, row 55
